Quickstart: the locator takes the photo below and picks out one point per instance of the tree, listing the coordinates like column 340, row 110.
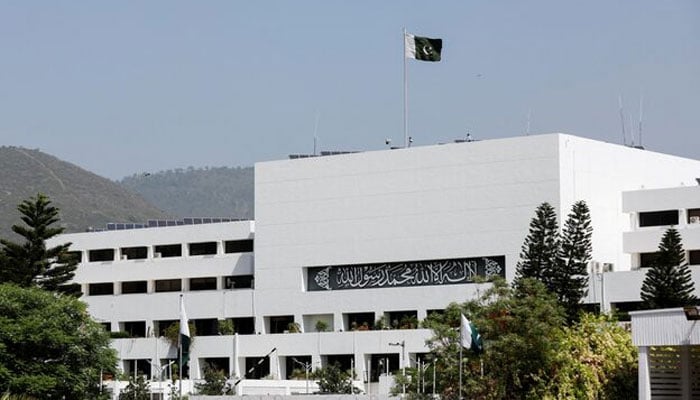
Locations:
column 529, row 352
column 332, row 379
column 668, row 282
column 597, row 360
column 50, row 348
column 31, row 263
column 521, row 329
column 571, row 276
column 540, row 254
column 136, row 389
column 215, row 382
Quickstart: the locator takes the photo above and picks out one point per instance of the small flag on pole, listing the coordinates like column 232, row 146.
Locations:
column 422, row 48
column 184, row 333
column 469, row 337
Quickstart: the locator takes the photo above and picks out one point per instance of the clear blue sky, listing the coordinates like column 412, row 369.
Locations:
column 126, row 87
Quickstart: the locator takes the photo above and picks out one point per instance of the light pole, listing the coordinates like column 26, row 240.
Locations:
column 402, row 361
column 307, row 367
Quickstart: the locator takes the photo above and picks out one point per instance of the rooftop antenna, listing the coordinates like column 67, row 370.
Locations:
column 318, row 116
column 641, row 102
column 527, row 130
column 622, row 121
column 631, row 131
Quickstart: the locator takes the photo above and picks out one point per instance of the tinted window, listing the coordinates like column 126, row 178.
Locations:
column 658, row 218
column 238, row 246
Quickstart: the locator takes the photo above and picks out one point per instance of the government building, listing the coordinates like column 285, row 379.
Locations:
column 349, row 252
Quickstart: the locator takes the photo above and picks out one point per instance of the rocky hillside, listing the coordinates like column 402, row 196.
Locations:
column 198, row 192
column 84, row 199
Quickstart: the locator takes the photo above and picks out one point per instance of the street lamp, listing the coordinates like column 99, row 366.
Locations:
column 691, row 313
column 403, row 363
column 307, row 367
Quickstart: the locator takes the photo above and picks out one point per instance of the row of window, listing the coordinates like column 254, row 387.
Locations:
column 648, row 259
column 171, row 285
column 293, row 366
column 667, row 217
column 166, row 251
column 202, row 327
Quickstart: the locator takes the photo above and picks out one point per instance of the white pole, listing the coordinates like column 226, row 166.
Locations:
column 369, row 377
column 179, row 347
column 434, row 375
column 405, row 92
column 403, row 367
column 460, row 368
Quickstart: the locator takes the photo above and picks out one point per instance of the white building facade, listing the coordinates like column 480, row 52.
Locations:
column 343, row 244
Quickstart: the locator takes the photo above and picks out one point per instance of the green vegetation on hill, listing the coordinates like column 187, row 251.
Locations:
column 85, row 199
column 198, row 192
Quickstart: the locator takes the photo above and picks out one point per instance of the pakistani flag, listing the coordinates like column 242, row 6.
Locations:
column 184, row 334
column 469, row 337
column 422, row 48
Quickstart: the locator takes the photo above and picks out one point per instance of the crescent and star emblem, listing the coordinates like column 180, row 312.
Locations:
column 427, row 49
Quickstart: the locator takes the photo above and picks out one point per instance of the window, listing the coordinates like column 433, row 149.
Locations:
column 168, row 285
column 403, row 319
column 345, row 360
column 203, row 284
column 168, row 250
column 217, row 364
column 140, row 367
column 647, row 259
column 360, row 321
column 694, row 257
column 383, row 364
column 76, row 255
column 622, row 309
column 658, row 218
column 161, row 326
column 100, row 289
column 135, row 328
column 244, row 325
column 202, row 249
column 298, row 366
column 134, row 253
column 206, row 327
column 694, row 216
column 238, row 246
column 134, row 287
column 101, row 255
column 239, row 282
column 281, row 324
column 257, row 367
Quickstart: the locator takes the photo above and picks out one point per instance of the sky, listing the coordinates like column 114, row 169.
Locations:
column 130, row 87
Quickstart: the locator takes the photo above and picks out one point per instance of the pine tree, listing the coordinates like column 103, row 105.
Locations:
column 668, row 283
column 31, row 263
column 571, row 278
column 539, row 257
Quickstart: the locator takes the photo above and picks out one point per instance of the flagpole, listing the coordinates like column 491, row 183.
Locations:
column 405, row 92
column 179, row 347
column 460, row 365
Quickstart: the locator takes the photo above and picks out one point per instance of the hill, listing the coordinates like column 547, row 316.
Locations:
column 84, row 199
column 198, row 192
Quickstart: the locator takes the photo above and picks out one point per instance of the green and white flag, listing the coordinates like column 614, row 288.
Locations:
column 184, row 333
column 469, row 337
column 422, row 48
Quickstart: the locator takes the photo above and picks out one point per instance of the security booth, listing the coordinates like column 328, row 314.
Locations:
column 669, row 352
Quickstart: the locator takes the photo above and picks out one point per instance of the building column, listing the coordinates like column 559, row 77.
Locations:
column 338, row 325
column 686, row 373
column 643, row 374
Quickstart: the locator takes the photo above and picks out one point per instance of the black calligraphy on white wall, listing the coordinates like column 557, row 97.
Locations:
column 402, row 274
